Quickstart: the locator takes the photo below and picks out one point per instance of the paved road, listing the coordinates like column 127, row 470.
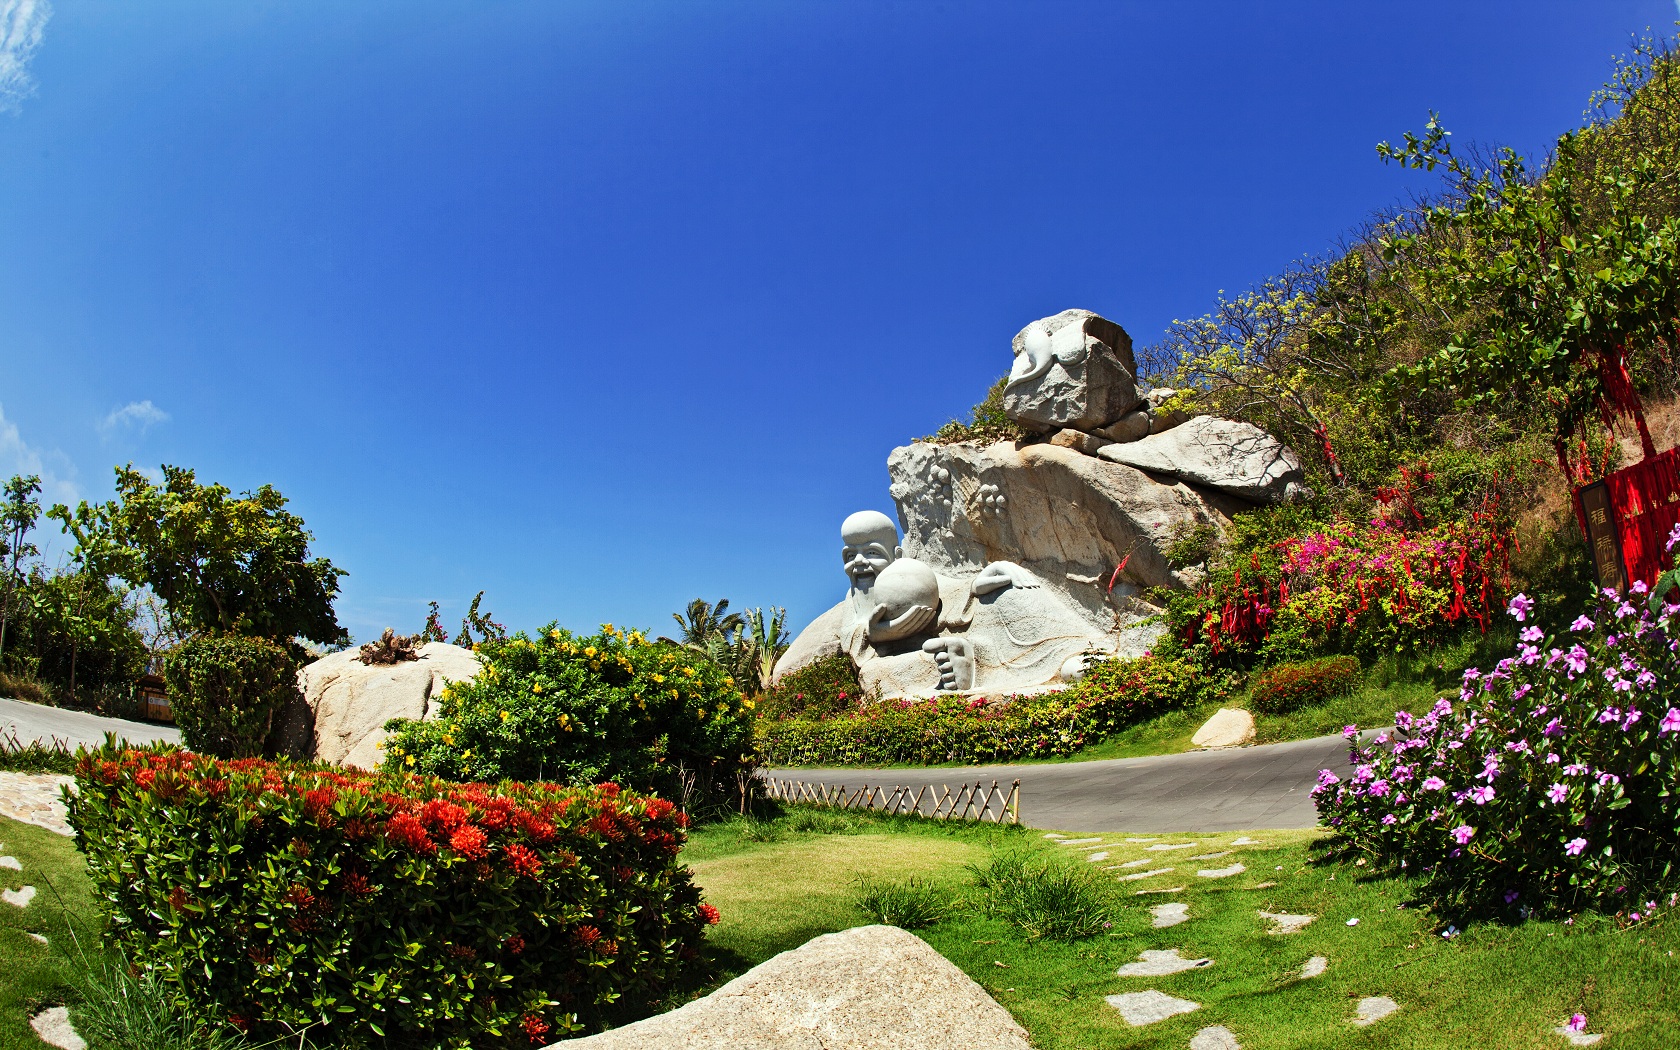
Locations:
column 34, row 722
column 1240, row 789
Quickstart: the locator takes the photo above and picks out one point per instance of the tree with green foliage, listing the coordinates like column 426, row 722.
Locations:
column 703, row 623
column 19, row 511
column 221, row 564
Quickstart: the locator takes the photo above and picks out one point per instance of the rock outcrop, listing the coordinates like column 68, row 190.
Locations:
column 341, row 714
column 1239, row 459
column 868, row 988
column 1071, row 518
column 1072, row 370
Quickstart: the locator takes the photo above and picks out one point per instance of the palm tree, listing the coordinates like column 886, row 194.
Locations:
column 765, row 636
column 703, row 624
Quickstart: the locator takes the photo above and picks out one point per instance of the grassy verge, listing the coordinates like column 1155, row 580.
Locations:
column 38, row 975
column 782, row 882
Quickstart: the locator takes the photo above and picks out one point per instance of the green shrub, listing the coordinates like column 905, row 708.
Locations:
column 226, row 690
column 613, row 706
column 35, row 757
column 987, row 421
column 1113, row 695
column 1045, row 897
column 1287, row 687
column 820, row 689
column 909, row 905
column 381, row 909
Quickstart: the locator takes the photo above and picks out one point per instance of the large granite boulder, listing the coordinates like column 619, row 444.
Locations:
column 1072, row 370
column 1236, row 458
column 344, row 704
column 868, row 988
column 1068, row 517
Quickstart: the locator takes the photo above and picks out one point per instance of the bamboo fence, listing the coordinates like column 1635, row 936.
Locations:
column 977, row 801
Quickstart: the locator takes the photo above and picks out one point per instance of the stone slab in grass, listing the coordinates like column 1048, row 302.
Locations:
column 1245, row 841
column 1315, row 966
column 1166, row 915
column 1283, row 923
column 1141, row 1008
column 1160, row 964
column 861, row 989
column 1215, row 1037
column 1578, row 1038
column 1144, row 875
column 18, row 898
column 1077, row 842
column 1373, row 1009
column 1099, row 855
column 11, row 863
column 54, row 1028
column 1162, row 846
column 1222, row 873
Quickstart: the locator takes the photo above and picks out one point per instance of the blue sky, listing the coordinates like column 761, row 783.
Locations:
column 603, row 307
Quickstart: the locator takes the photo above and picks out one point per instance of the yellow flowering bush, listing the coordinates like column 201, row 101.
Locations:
column 613, row 706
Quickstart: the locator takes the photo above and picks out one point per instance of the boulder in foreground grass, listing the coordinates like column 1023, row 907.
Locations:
column 869, row 988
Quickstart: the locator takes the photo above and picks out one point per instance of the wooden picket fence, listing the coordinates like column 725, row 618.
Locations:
column 975, row 801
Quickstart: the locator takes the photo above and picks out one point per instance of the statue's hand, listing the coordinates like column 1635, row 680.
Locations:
column 998, row 575
column 914, row 620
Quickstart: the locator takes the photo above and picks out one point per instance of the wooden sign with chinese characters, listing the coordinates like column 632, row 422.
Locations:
column 1627, row 517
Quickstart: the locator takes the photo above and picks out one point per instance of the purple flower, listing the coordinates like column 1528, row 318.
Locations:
column 1575, row 660
column 1520, row 607
column 1624, row 610
column 1639, row 587
column 1377, row 789
column 1581, row 624
column 1557, row 793
column 1574, row 847
column 1552, row 728
column 1553, row 759
column 1490, row 768
column 1574, row 769
column 1532, row 634
column 1350, row 731
column 1671, row 721
column 1605, row 779
column 1528, row 654
column 1388, row 818
column 1462, row 833
column 1578, row 1022
column 1633, row 716
column 1434, row 784
column 1482, row 795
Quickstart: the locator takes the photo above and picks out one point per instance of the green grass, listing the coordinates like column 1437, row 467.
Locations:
column 1492, row 986
column 37, row 975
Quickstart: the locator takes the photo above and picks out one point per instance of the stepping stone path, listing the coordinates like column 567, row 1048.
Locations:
column 1314, row 966
column 1222, row 873
column 1143, row 875
column 1142, row 840
column 1212, row 856
column 1055, row 835
column 1215, row 1037
column 1140, row 862
column 1099, row 855
column 1578, row 1038
column 1170, row 914
column 18, row 898
column 1171, row 889
column 1077, row 842
column 1245, row 841
column 1287, row 923
column 53, row 1026
column 1373, row 1009
column 1170, row 845
column 11, row 862
column 37, row 938
column 1160, row 964
column 34, row 799
column 1141, row 1008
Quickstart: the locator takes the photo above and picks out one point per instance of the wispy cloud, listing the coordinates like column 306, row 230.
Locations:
column 22, row 23
column 137, row 414
column 57, row 473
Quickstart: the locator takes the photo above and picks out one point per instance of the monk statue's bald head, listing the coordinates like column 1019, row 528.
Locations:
column 869, row 543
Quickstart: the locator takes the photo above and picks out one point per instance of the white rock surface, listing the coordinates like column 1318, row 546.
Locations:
column 1170, row 846
column 1140, row 862
column 37, row 938
column 1169, row 889
column 11, row 863
column 1073, row 369
column 1578, row 1038
column 1160, row 964
column 345, row 703
column 1229, row 727
column 1140, row 840
column 1245, row 841
column 869, row 988
column 1236, row 458
column 1144, row 875
column 1222, row 873
column 1099, row 855
column 1373, row 1009
column 1078, row 842
column 1285, row 923
column 1068, row 517
column 1166, row 915
column 1215, row 855
column 1215, row 1037
column 1141, row 1008
column 54, row 1028
column 1079, row 441
column 37, row 798
column 18, row 898
column 1314, row 967
column 1133, row 426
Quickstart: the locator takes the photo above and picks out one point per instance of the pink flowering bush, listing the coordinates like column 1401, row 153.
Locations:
column 1548, row 785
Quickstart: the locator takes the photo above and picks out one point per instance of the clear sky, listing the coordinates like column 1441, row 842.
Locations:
column 604, row 307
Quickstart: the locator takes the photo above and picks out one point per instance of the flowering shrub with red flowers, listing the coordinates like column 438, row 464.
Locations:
column 1112, row 695
column 1286, row 687
column 1349, row 587
column 1549, row 785
column 388, row 909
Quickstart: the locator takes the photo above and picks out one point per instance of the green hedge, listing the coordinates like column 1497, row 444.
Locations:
column 820, row 689
column 226, row 691
column 1286, row 687
column 386, row 909
column 1113, row 694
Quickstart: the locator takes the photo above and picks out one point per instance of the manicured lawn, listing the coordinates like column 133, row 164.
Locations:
column 1491, row 986
column 33, row 975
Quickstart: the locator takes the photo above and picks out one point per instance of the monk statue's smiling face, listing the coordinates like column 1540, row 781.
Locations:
column 869, row 544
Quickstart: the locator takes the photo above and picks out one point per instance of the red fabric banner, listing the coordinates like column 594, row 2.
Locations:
column 1644, row 503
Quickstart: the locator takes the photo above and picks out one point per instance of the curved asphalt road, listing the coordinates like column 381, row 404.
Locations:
column 48, row 725
column 1239, row 789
